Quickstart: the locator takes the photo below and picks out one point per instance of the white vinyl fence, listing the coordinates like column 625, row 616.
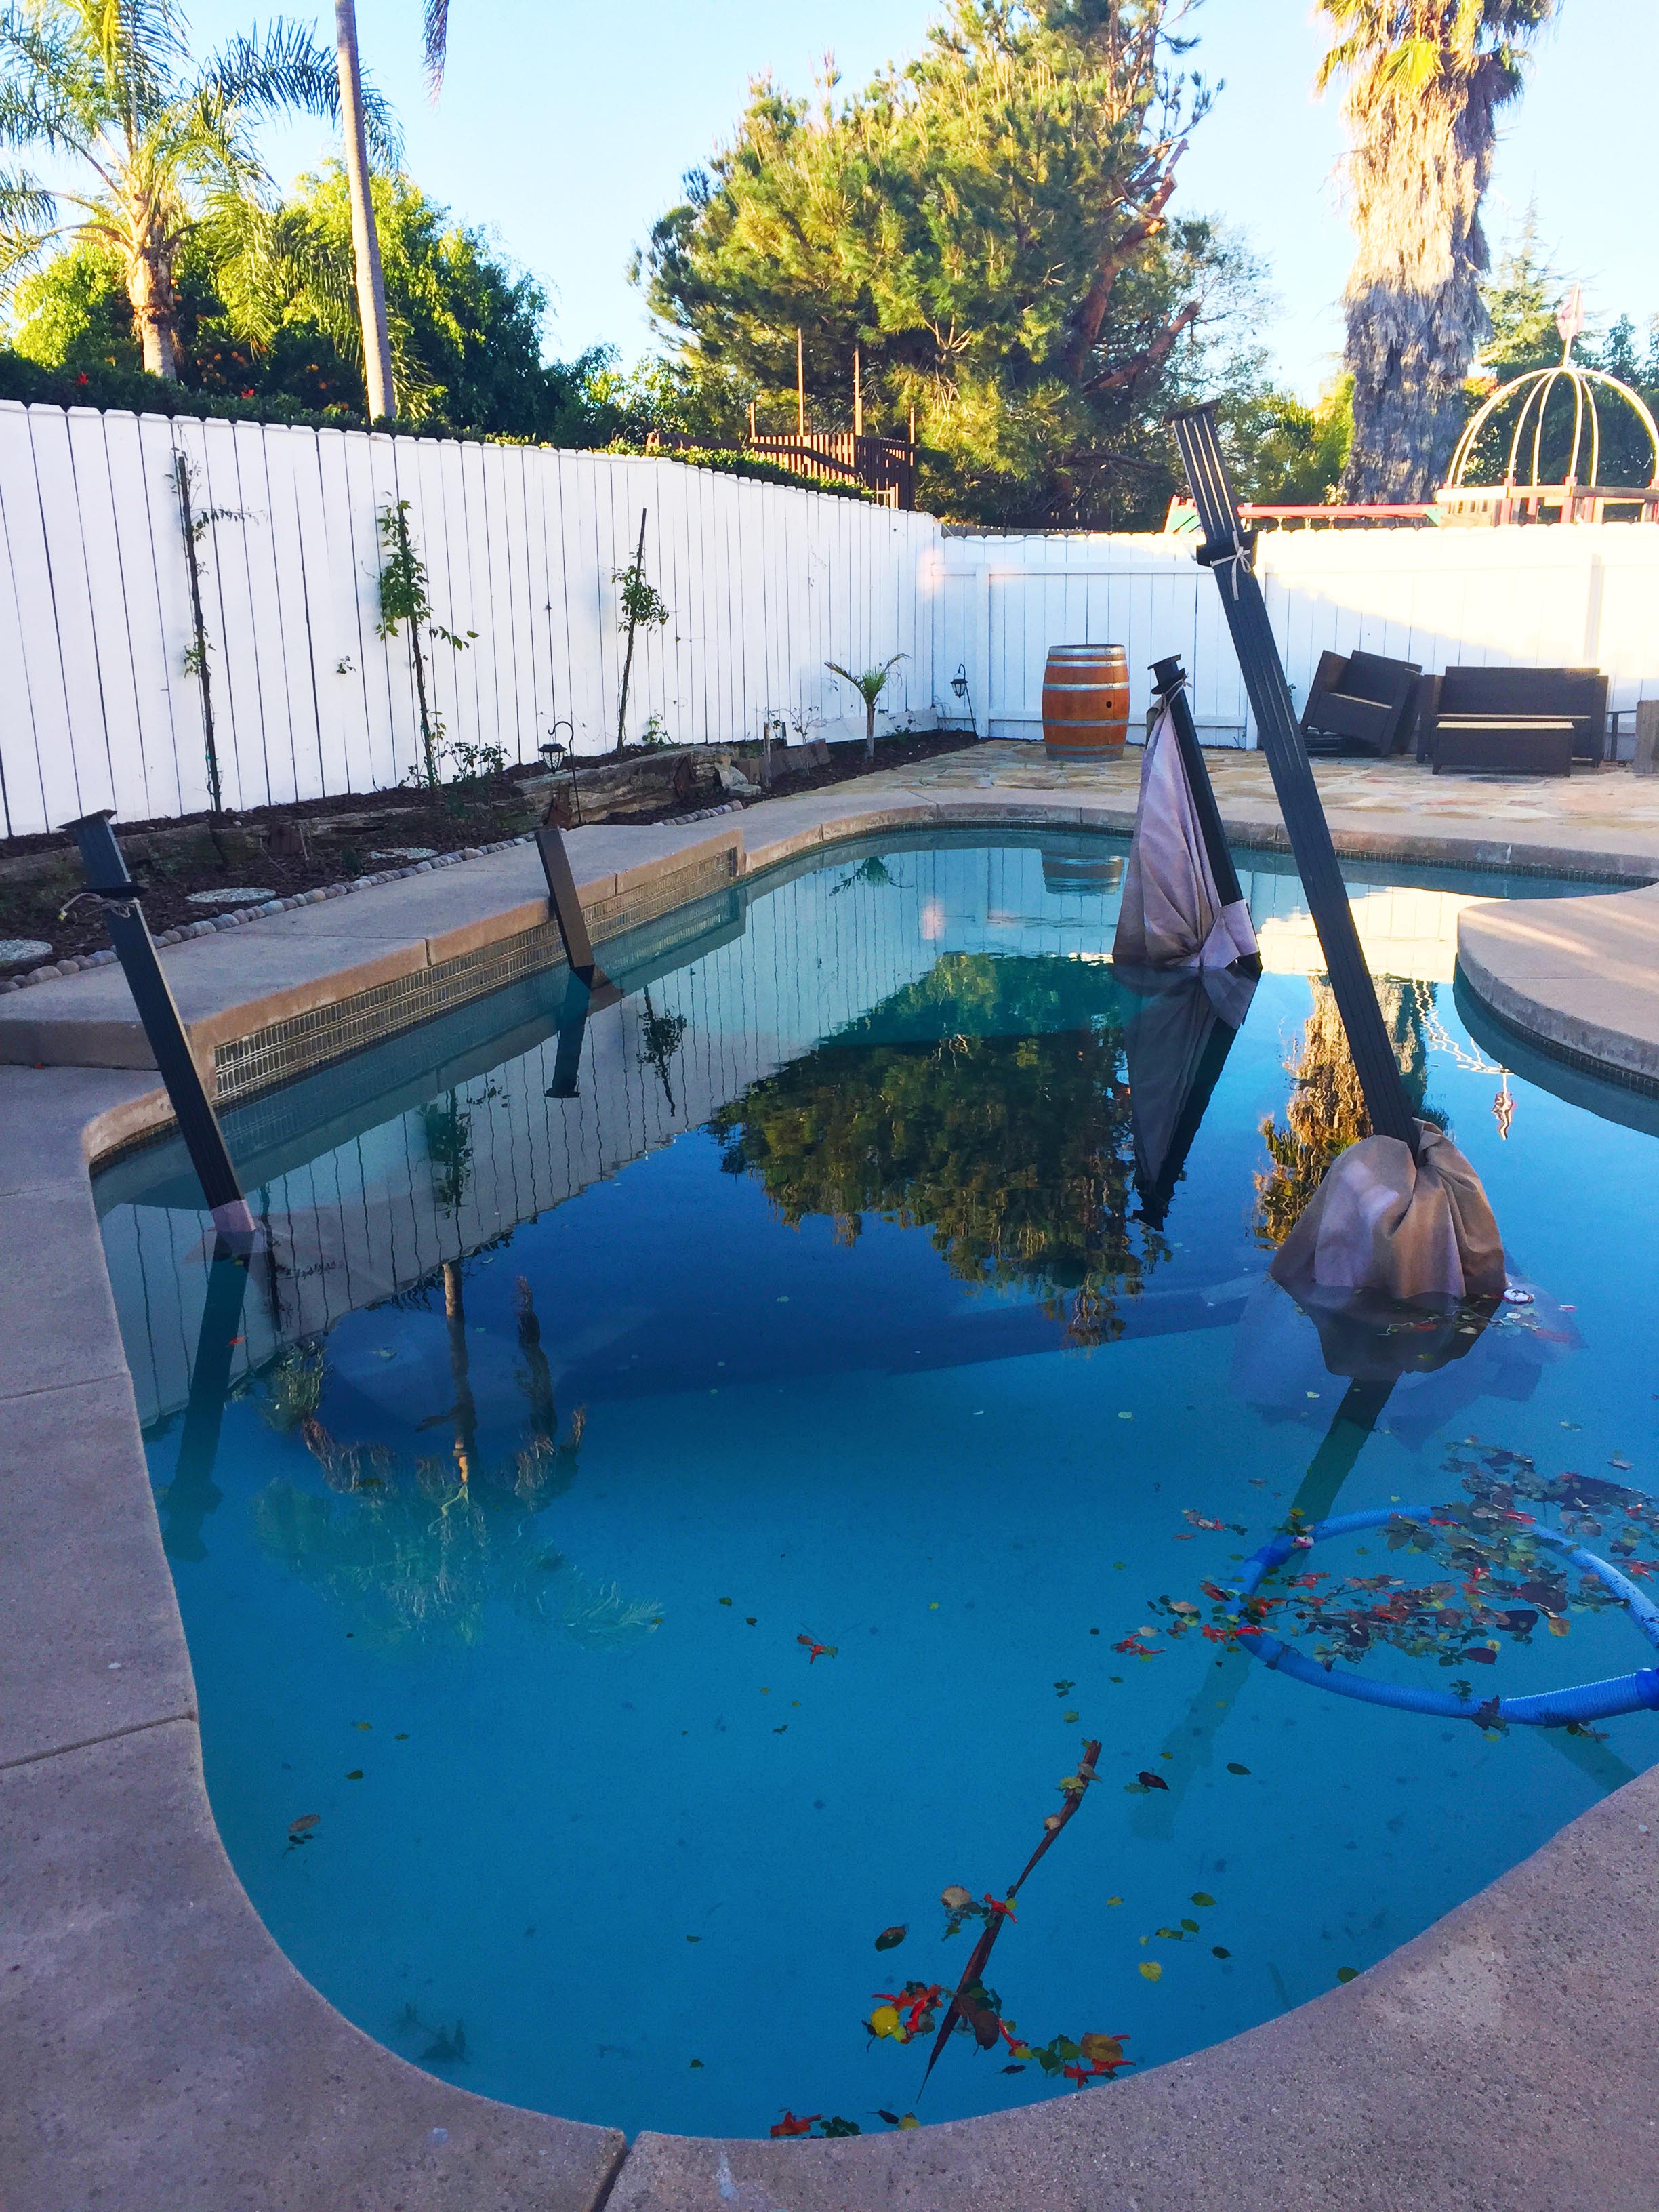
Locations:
column 100, row 704
column 1582, row 597
column 101, row 700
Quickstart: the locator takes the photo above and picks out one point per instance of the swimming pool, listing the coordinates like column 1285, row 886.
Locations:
column 685, row 1487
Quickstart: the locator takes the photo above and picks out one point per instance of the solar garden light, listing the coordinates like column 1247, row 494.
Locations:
column 555, row 754
column 108, row 881
column 959, row 685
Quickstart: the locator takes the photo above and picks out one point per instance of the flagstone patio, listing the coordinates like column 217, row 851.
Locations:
column 1593, row 806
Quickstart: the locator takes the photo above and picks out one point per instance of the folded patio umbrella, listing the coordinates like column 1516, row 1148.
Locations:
column 1400, row 1228
column 1175, row 1046
column 1172, row 915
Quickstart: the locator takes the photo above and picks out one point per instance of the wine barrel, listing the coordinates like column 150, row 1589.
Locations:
column 1086, row 702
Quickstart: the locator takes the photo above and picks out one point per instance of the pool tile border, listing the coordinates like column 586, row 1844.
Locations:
column 162, row 2055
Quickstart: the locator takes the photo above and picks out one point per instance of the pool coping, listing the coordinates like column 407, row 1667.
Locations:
column 162, row 2054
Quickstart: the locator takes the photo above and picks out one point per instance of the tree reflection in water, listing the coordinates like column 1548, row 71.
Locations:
column 422, row 1552
column 1326, row 1112
column 988, row 1103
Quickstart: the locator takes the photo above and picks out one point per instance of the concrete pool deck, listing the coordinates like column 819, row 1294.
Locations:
column 160, row 2052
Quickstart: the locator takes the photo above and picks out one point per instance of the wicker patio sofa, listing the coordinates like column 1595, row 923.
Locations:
column 1530, row 720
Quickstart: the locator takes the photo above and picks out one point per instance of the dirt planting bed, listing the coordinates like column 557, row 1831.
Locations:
column 188, row 869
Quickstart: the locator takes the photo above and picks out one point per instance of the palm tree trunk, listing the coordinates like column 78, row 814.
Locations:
column 155, row 310
column 365, row 243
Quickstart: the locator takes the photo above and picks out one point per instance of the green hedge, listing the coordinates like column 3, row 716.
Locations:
column 23, row 380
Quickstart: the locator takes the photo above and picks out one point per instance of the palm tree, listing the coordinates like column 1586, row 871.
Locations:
column 380, row 392
column 869, row 685
column 1424, row 80
column 160, row 143
column 377, row 378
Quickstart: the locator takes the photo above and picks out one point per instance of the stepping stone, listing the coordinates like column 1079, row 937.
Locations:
column 14, row 949
column 233, row 894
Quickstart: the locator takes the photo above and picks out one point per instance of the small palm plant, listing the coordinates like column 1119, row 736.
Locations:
column 869, row 686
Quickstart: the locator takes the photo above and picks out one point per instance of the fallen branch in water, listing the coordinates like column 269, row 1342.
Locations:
column 962, row 2007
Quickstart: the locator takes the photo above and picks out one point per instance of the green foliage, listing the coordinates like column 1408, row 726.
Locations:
column 1521, row 299
column 640, row 605
column 988, row 227
column 405, row 598
column 146, row 143
column 265, row 314
column 1285, row 454
column 869, row 685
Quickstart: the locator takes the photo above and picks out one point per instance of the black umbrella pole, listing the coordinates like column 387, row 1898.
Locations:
column 566, row 901
column 1170, row 678
column 1226, row 553
column 135, row 948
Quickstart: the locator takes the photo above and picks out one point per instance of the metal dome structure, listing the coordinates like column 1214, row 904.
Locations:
column 1579, row 494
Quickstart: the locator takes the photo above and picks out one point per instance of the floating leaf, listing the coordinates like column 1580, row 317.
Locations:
column 1150, row 1781
column 1233, row 1767
column 1151, row 1970
column 1013, row 2070
column 891, row 2118
column 750, row 1619
column 1103, row 2049
column 355, row 1775
column 1219, row 1951
column 1191, row 1927
column 956, row 1898
column 1201, row 1896
column 695, row 2061
column 891, row 1938
column 1174, row 1935
column 780, row 1731
column 1115, row 1900
column 1557, row 1627
column 1346, row 1973
column 726, row 1600
column 837, row 2126
column 306, row 1821
column 792, row 2124
column 362, row 1725
column 1070, row 1718
column 883, row 2020
column 694, row 1939
column 909, row 2120
column 401, row 1737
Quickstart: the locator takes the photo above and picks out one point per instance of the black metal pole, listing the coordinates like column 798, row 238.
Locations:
column 199, row 1125
column 567, row 905
column 1227, row 553
column 581, row 999
column 192, row 1495
column 1169, row 680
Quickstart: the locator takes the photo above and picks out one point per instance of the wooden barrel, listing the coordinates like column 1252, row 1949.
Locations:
column 1086, row 702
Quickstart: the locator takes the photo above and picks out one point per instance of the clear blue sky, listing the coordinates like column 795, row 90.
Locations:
column 564, row 129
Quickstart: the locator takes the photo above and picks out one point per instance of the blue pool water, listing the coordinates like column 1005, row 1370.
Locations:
column 558, row 1429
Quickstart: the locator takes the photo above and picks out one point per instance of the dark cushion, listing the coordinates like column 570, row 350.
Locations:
column 1369, row 676
column 1521, row 691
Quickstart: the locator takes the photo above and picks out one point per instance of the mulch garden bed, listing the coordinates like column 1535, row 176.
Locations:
column 273, row 852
